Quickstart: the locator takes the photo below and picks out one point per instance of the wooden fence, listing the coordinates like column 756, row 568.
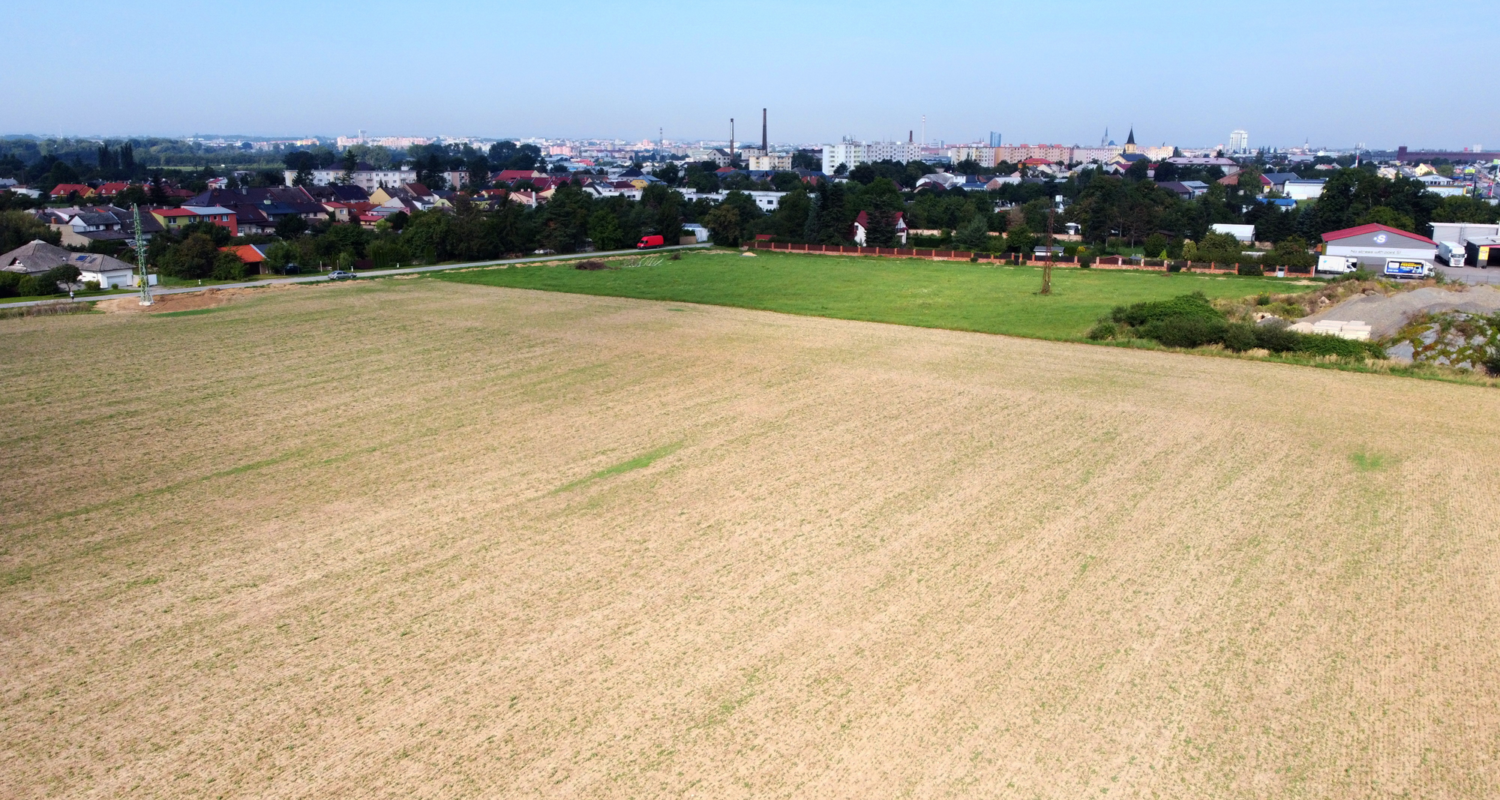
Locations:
column 1103, row 262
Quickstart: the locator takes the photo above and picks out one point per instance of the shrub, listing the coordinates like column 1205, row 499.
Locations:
column 1325, row 345
column 228, row 267
column 1248, row 268
column 1193, row 305
column 1492, row 361
column 1185, row 331
column 9, row 282
column 1240, row 336
column 1276, row 339
column 34, row 285
column 1085, row 260
column 1263, row 299
column 1104, row 330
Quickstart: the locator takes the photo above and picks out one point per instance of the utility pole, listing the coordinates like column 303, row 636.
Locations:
column 140, row 257
column 1047, row 267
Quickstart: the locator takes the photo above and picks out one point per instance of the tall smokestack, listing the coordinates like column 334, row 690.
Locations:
column 731, row 138
column 909, row 135
column 765, row 143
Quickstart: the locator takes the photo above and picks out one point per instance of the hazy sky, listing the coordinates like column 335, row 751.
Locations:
column 1335, row 72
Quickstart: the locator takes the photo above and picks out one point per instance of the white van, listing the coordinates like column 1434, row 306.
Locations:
column 1337, row 265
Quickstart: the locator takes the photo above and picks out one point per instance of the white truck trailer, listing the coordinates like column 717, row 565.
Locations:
column 1451, row 253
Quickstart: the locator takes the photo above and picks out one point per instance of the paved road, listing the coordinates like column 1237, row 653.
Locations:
column 1470, row 274
column 373, row 273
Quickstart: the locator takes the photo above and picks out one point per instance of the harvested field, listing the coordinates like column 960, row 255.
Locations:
column 428, row 539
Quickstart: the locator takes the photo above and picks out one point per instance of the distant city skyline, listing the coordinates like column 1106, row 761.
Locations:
column 1181, row 73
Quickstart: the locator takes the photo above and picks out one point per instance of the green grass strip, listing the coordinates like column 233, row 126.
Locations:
column 639, row 462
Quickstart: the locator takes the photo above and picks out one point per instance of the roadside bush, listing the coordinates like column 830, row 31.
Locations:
column 1194, row 306
column 1103, row 330
column 9, row 282
column 34, row 286
column 1185, row 331
column 1240, row 336
column 1324, row 345
column 228, row 267
column 1276, row 339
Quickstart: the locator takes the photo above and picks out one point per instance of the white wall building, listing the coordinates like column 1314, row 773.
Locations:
column 1239, row 142
column 766, row 201
column 772, row 162
column 369, row 180
column 852, row 154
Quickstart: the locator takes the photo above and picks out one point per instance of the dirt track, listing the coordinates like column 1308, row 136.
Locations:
column 427, row 539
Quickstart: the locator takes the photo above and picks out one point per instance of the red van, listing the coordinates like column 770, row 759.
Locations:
column 654, row 240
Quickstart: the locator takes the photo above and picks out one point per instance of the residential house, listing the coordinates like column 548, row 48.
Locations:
column 254, row 255
column 1244, row 233
column 411, row 191
column 1187, row 190
column 1276, row 181
column 862, row 225
column 513, row 175
column 38, row 256
column 111, row 189
column 174, row 219
column 337, row 193
column 81, row 226
column 1304, row 188
column 63, row 190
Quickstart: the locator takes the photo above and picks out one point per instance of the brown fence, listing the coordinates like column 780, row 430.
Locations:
column 1104, row 262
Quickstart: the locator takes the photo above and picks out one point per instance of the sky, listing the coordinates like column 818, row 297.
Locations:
column 1333, row 73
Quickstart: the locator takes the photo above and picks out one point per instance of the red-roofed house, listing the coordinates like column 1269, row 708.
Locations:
column 1374, row 243
column 112, row 189
column 66, row 189
column 174, row 219
column 252, row 254
column 513, row 175
column 862, row 225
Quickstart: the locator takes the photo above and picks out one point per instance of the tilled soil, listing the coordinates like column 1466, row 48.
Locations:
column 425, row 539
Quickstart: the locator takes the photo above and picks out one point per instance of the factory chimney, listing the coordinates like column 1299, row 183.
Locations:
column 765, row 143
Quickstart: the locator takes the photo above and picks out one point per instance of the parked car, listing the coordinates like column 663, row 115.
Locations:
column 653, row 240
column 340, row 275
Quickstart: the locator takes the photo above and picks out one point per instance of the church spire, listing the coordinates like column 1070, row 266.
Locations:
column 1131, row 139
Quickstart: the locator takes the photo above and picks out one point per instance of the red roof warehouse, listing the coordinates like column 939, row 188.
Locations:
column 1374, row 244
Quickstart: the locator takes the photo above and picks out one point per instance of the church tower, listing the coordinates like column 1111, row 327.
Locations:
column 1130, row 142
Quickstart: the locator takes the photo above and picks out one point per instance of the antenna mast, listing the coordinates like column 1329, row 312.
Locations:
column 140, row 257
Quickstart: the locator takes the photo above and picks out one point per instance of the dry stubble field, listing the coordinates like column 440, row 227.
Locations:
column 421, row 539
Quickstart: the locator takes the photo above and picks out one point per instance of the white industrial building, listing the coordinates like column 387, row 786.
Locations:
column 1373, row 244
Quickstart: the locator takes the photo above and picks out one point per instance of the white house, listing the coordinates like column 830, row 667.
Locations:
column 109, row 273
column 862, row 224
column 1244, row 233
column 1304, row 189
